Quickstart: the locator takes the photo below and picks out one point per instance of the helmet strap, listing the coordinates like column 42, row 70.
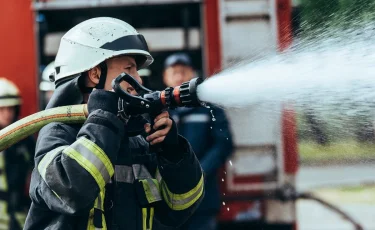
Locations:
column 103, row 75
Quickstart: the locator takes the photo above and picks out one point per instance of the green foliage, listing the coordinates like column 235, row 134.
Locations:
column 318, row 15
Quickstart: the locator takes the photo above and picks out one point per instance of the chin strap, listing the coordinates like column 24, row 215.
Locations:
column 103, row 76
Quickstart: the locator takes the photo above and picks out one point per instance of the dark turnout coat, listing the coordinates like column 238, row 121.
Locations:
column 92, row 176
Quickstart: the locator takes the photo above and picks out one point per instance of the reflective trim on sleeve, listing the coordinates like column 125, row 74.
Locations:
column 3, row 179
column 99, row 153
column 93, row 159
column 47, row 159
column 152, row 190
column 182, row 201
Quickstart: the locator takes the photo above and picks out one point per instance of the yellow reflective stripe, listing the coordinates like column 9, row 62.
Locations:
column 151, row 217
column 90, row 222
column 47, row 159
column 182, row 201
column 99, row 204
column 99, row 153
column 91, row 154
column 3, row 178
column 21, row 218
column 144, row 218
column 4, row 217
column 86, row 164
column 152, row 190
column 3, row 207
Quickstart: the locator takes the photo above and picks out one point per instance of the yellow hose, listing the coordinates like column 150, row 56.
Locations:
column 29, row 125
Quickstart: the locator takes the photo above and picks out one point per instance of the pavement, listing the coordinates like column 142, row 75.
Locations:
column 313, row 216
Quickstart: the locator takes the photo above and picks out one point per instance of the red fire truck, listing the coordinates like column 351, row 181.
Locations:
column 215, row 33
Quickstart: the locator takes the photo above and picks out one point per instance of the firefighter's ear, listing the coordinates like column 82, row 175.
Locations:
column 93, row 75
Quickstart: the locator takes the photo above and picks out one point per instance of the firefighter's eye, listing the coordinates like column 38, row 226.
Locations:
column 130, row 89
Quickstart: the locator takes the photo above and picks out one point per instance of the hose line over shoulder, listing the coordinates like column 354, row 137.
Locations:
column 72, row 114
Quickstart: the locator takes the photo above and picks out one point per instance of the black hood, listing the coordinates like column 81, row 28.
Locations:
column 66, row 93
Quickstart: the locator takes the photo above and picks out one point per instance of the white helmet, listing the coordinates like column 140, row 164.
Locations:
column 93, row 41
column 9, row 93
column 46, row 84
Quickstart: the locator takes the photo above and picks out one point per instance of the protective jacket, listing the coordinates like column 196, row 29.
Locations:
column 212, row 143
column 92, row 176
column 15, row 166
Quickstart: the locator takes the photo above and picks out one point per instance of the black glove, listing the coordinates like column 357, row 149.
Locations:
column 104, row 100
column 170, row 146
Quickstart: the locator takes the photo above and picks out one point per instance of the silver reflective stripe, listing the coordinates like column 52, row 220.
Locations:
column 154, row 189
column 124, row 173
column 196, row 118
column 158, row 175
column 140, row 172
column 47, row 159
column 99, row 202
column 179, row 202
column 91, row 157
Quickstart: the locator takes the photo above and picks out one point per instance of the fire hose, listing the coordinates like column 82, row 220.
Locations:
column 310, row 196
column 146, row 102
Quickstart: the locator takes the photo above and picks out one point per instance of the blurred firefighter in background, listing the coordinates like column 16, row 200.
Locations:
column 145, row 75
column 210, row 139
column 46, row 86
column 15, row 163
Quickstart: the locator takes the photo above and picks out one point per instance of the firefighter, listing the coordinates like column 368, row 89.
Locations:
column 210, row 139
column 15, row 163
column 46, row 86
column 100, row 175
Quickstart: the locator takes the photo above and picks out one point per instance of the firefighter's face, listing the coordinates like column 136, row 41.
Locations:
column 177, row 74
column 7, row 116
column 119, row 65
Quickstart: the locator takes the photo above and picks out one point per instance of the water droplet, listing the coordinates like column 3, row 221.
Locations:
column 227, row 138
column 225, row 172
column 230, row 162
column 221, row 130
column 228, row 209
column 223, row 203
column 211, row 127
column 222, row 179
column 224, row 194
column 213, row 119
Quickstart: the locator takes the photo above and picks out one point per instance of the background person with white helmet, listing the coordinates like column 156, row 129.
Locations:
column 46, row 86
column 100, row 175
column 15, row 163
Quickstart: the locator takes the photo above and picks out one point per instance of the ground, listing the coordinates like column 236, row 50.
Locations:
column 350, row 187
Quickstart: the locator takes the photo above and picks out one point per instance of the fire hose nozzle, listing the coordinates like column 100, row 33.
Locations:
column 184, row 95
column 152, row 102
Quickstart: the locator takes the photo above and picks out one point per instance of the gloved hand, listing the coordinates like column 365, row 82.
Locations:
column 165, row 136
column 104, row 100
